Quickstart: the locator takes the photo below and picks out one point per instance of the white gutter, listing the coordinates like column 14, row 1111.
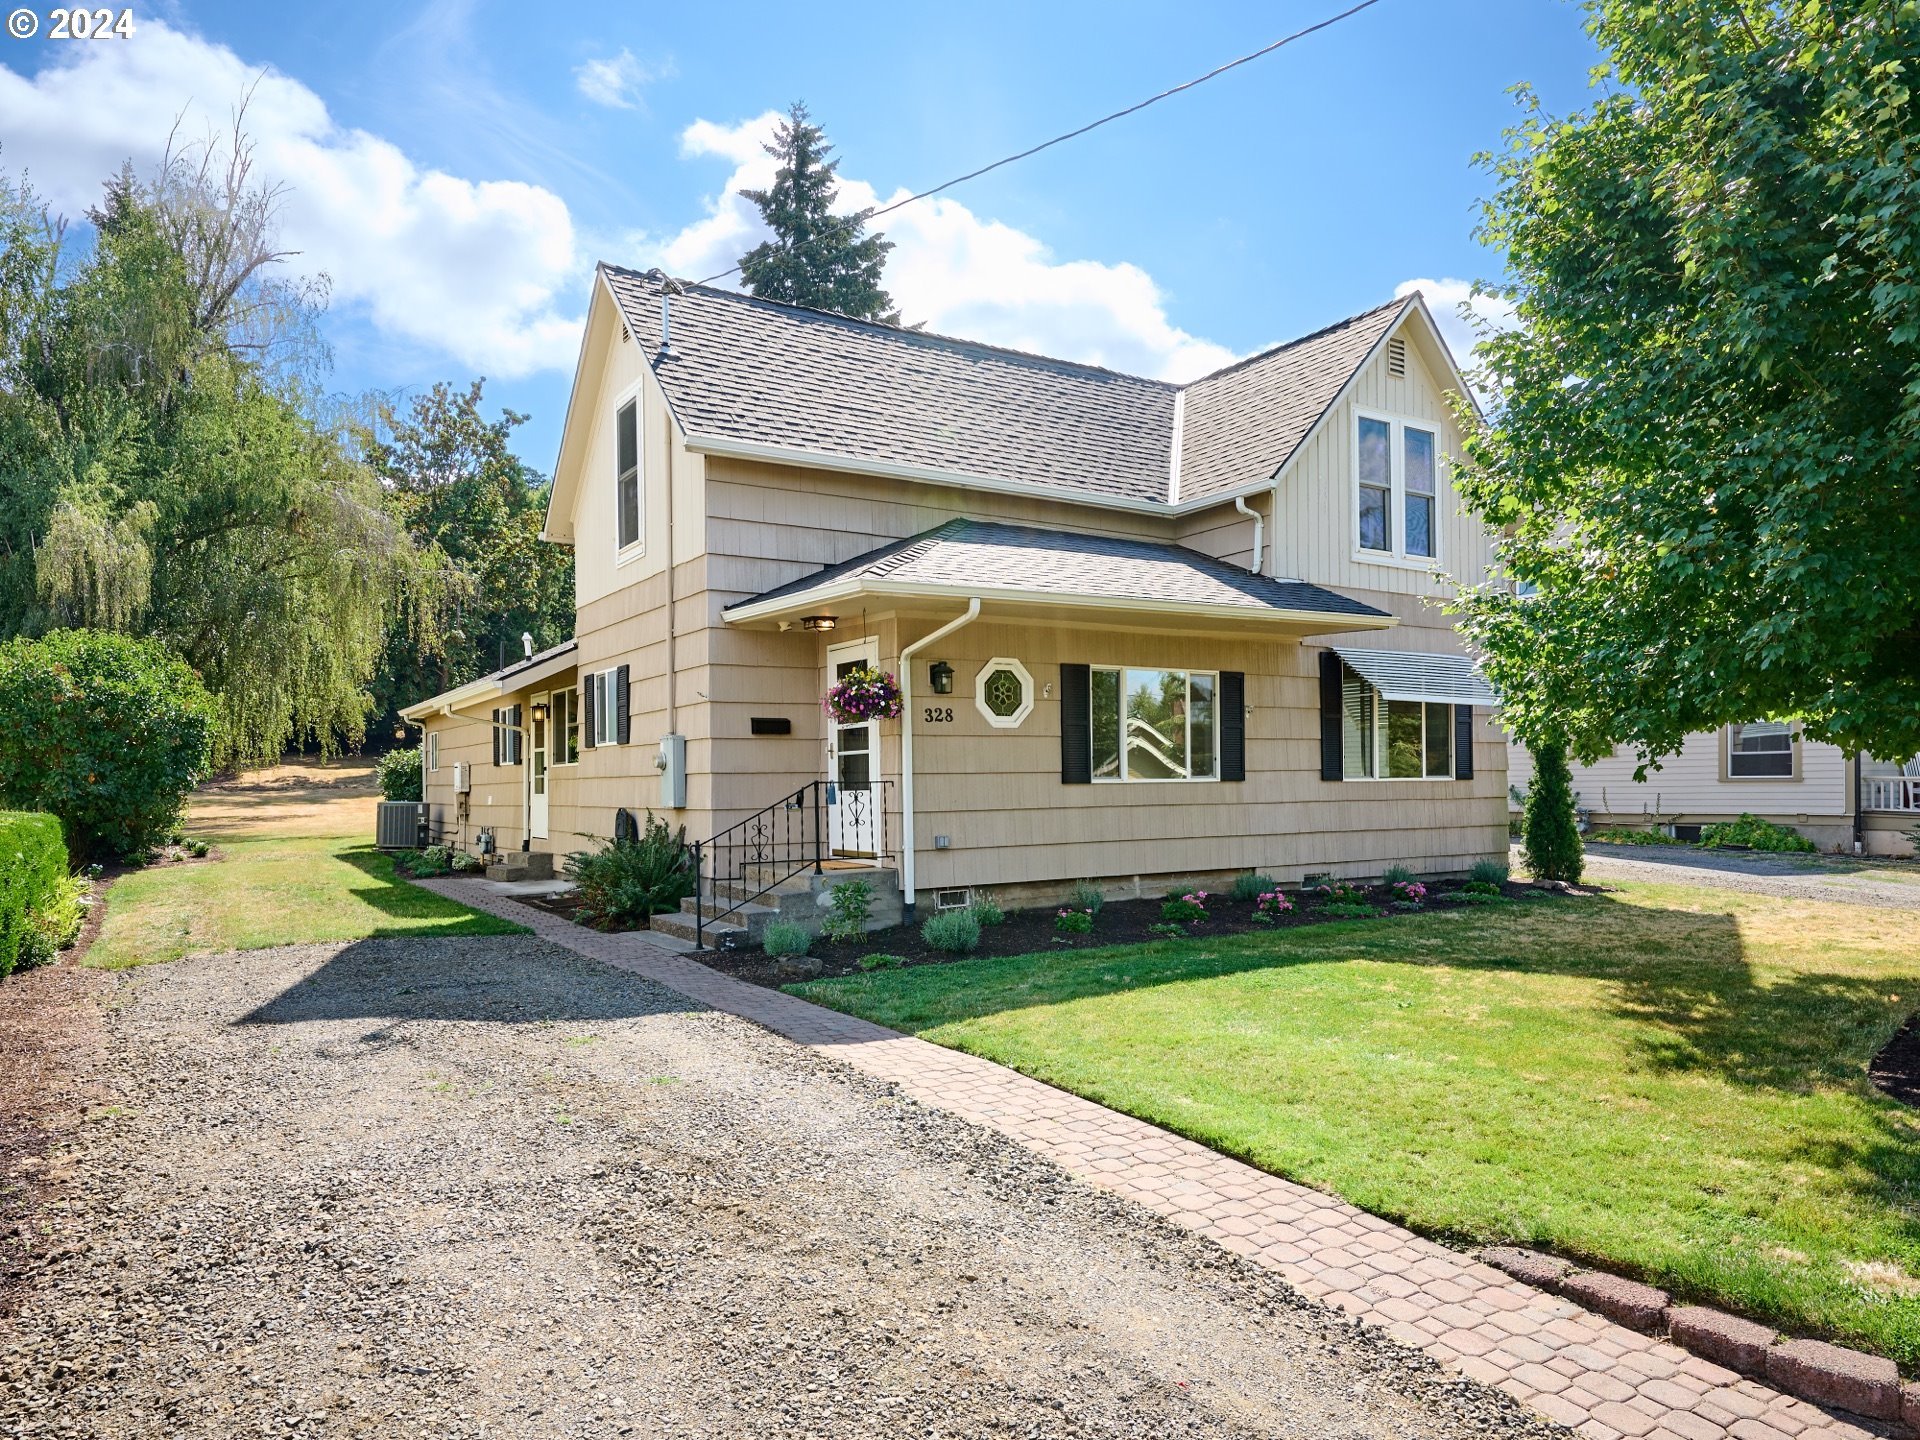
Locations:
column 1259, row 529
column 906, row 743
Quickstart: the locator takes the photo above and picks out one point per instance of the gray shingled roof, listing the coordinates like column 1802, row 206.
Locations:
column 1241, row 424
column 752, row 370
column 987, row 555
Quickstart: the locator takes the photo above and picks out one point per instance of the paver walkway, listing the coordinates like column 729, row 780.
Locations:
column 1568, row 1364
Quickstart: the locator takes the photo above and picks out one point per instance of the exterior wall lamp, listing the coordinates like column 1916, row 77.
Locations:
column 818, row 622
column 540, row 710
column 940, row 677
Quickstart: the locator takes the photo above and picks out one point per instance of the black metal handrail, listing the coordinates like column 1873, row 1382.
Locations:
column 792, row 835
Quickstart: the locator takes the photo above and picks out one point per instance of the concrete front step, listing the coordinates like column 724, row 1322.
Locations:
column 681, row 927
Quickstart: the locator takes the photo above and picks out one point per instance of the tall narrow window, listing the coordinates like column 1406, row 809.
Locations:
column 1376, row 484
column 1419, row 449
column 1357, row 700
column 627, row 448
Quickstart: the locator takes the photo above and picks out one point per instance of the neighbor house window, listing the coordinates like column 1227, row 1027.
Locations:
column 1384, row 739
column 433, row 750
column 564, row 727
column 626, row 427
column 1154, row 725
column 1761, row 751
column 1398, row 488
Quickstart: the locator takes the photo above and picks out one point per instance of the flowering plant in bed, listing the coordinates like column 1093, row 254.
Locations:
column 1073, row 922
column 1339, row 892
column 1187, row 909
column 863, row 694
column 1408, row 892
column 1270, row 906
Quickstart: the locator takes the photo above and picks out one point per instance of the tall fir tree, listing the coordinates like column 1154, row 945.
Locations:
column 1550, row 823
column 815, row 258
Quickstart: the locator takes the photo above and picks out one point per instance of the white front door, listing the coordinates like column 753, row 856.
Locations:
column 537, row 769
column 853, row 763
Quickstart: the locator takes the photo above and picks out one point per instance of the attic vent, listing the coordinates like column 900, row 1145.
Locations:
column 626, row 335
column 1397, row 358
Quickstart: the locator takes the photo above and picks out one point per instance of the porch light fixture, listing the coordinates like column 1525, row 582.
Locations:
column 540, row 710
column 818, row 622
column 940, row 677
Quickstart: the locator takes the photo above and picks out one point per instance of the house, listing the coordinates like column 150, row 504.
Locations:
column 1840, row 802
column 1146, row 633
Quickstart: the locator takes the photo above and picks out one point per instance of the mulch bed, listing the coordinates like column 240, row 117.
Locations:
column 1028, row 932
column 1896, row 1069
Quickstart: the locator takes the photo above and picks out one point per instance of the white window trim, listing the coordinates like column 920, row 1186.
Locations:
column 1125, row 779
column 627, row 554
column 433, row 750
column 1397, row 426
column 1003, row 722
column 1380, row 743
column 573, row 707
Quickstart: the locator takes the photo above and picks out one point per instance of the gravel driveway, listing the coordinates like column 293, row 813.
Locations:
column 483, row 1187
column 1790, row 877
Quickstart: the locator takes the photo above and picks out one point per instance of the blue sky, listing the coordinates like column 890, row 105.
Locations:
column 456, row 168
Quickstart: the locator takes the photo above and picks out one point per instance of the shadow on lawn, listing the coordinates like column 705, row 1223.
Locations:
column 504, row 979
column 394, row 896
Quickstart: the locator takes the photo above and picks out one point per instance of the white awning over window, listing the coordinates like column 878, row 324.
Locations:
column 1411, row 675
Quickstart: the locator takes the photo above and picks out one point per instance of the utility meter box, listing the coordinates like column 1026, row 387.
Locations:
column 672, row 761
column 462, row 778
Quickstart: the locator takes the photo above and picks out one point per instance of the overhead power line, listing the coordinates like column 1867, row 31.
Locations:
column 1134, row 109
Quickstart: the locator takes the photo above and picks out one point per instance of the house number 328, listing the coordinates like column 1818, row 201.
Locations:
column 939, row 714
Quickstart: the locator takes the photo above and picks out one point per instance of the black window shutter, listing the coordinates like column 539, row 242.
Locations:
column 622, row 720
column 513, row 735
column 1076, row 725
column 593, row 711
column 1333, row 764
column 1463, row 742
column 1233, row 725
column 496, row 737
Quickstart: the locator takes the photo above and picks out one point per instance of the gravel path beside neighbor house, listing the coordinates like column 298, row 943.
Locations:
column 487, row 1187
column 1789, row 877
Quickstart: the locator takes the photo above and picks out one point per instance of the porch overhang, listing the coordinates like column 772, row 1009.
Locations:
column 1417, row 675
column 544, row 666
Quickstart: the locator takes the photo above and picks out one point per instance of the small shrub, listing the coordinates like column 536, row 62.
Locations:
column 1632, row 837
column 783, row 937
column 1187, row 909
column 33, row 874
column 1488, row 872
column 1481, row 887
column 1754, row 833
column 881, row 962
column 851, row 907
column 1171, row 932
column 427, row 864
column 1251, row 886
column 1550, row 823
column 1087, row 896
column 461, row 862
column 198, row 849
column 1271, row 906
column 1408, row 892
column 1073, row 922
column 1347, row 910
column 1340, row 892
column 630, row 880
column 954, row 932
column 399, row 775
column 988, row 912
column 55, row 923
column 1397, row 875
column 107, row 732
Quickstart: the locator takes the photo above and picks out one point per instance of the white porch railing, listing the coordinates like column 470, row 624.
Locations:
column 1899, row 793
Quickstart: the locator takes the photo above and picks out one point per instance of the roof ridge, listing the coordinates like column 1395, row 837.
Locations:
column 1286, row 345
column 904, row 331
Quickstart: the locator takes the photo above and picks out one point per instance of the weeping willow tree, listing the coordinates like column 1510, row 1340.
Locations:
column 162, row 468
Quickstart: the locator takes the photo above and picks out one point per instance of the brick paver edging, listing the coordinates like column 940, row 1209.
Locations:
column 1570, row 1365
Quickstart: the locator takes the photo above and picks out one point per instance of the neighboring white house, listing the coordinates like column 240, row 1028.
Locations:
column 1767, row 769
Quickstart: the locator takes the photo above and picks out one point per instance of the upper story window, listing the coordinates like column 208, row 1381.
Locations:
column 1761, row 751
column 1398, row 488
column 626, row 428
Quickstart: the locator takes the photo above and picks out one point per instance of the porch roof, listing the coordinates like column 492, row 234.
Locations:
column 1061, row 569
column 517, row 676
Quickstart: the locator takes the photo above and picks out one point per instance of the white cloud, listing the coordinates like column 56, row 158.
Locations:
column 1460, row 313
column 469, row 268
column 617, row 80
column 957, row 273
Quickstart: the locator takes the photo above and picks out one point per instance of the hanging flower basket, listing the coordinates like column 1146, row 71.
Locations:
column 864, row 694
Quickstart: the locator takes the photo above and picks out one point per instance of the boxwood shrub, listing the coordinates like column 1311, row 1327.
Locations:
column 33, row 878
column 107, row 732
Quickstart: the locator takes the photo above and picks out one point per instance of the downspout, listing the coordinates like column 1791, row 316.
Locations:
column 1259, row 530
column 906, row 745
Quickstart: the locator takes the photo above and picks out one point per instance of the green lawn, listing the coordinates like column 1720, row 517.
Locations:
column 1668, row 1081
column 272, row 892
